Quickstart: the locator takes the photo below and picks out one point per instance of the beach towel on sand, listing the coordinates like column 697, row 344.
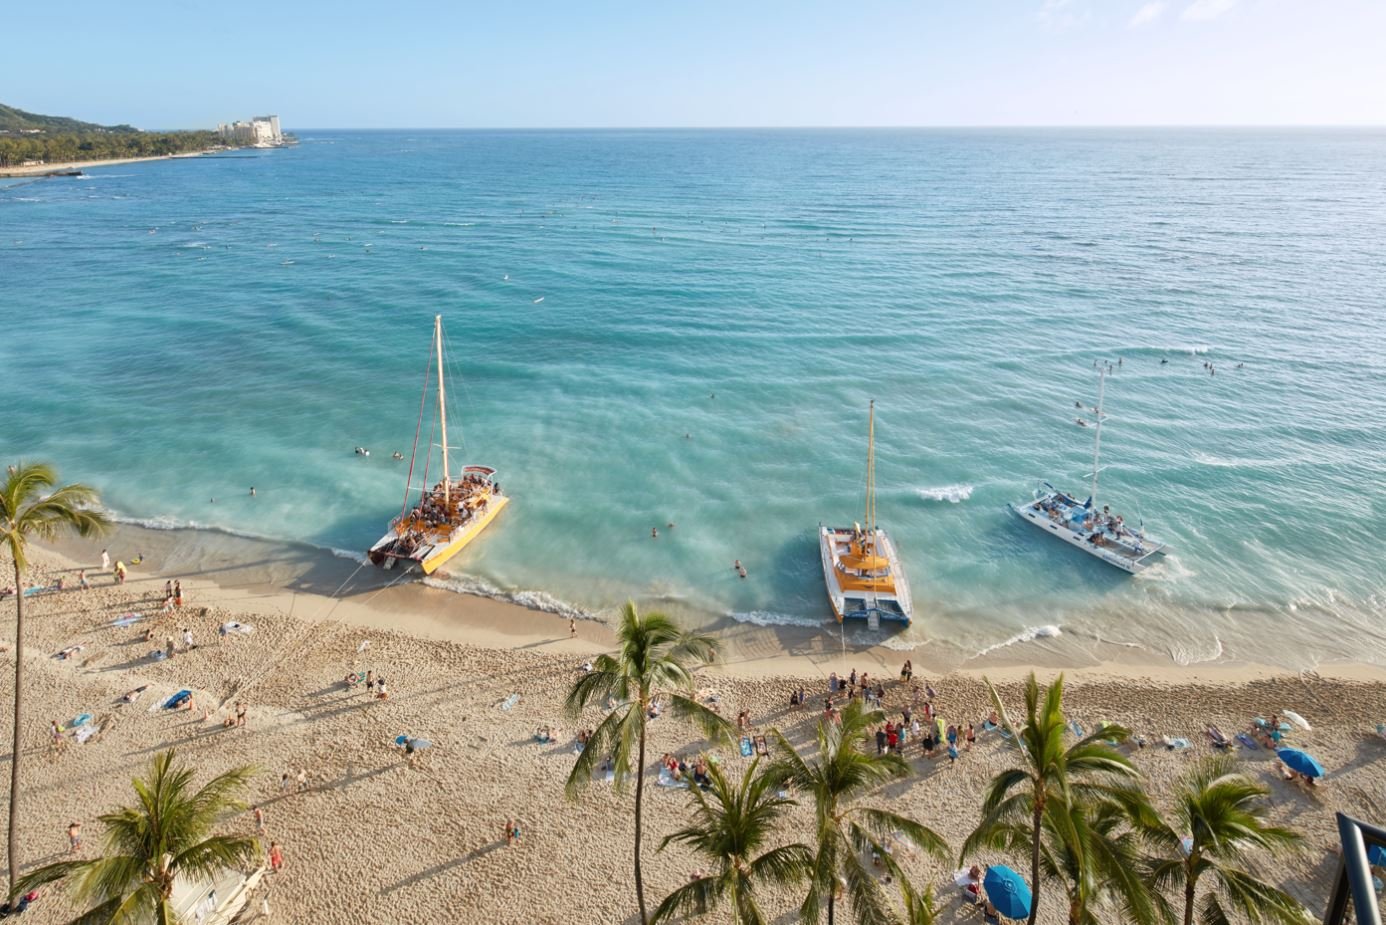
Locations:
column 667, row 780
column 746, row 747
column 177, row 700
column 508, row 703
column 1247, row 741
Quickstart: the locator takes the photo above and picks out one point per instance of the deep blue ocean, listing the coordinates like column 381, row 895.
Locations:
column 718, row 307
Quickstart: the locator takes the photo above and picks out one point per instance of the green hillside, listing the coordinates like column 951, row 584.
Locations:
column 17, row 120
column 28, row 139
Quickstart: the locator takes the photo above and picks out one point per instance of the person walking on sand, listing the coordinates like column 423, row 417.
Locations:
column 168, row 590
column 168, row 647
column 259, row 818
column 120, row 573
column 82, row 580
column 276, row 857
column 240, row 713
column 284, row 782
column 512, row 832
column 105, row 561
column 74, row 838
column 572, row 628
column 177, row 594
column 302, row 779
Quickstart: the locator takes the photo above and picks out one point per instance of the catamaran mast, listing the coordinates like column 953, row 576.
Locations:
column 1097, row 438
column 442, row 402
column 870, row 515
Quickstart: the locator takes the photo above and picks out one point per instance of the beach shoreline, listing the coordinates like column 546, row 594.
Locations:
column 41, row 170
column 455, row 661
column 303, row 580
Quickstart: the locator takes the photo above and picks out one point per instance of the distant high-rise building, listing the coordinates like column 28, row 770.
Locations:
column 262, row 131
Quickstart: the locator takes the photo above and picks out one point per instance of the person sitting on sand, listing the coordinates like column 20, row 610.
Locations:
column 544, row 735
column 743, row 720
column 380, row 692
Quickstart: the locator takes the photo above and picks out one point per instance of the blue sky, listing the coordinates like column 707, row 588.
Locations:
column 161, row 64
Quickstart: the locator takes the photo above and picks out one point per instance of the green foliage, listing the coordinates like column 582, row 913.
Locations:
column 656, row 661
column 17, row 120
column 1223, row 813
column 836, row 776
column 66, row 147
column 729, row 827
column 1085, row 774
column 166, row 834
column 31, row 508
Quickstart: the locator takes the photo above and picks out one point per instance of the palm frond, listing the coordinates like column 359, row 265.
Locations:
column 703, row 892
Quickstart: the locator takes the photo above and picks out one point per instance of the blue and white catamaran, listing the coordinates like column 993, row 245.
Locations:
column 1096, row 531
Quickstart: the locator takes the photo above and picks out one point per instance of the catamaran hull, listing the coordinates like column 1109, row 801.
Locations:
column 432, row 558
column 1029, row 514
column 859, row 606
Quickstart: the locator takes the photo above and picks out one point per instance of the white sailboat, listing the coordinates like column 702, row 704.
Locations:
column 1081, row 524
column 861, row 567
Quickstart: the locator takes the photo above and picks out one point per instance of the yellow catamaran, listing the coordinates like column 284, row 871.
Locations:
column 451, row 513
column 860, row 565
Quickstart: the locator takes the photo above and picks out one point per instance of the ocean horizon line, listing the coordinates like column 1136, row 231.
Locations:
column 1209, row 126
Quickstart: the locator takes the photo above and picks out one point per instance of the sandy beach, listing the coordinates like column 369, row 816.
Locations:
column 39, row 170
column 370, row 838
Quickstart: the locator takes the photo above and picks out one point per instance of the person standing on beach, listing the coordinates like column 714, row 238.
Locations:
column 82, row 580
column 105, row 561
column 74, row 838
column 284, row 782
column 120, row 573
column 177, row 594
column 276, row 857
column 259, row 819
column 302, row 779
column 572, row 628
column 240, row 713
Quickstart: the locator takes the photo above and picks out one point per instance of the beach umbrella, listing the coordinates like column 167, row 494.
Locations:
column 1007, row 891
column 1376, row 856
column 1300, row 762
column 1298, row 720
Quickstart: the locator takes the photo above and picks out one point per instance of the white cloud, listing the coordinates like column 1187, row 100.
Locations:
column 1148, row 14
column 1204, row 10
column 1059, row 15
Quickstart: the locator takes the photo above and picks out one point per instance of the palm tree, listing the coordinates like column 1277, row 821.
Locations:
column 1217, row 816
column 838, row 774
column 655, row 662
column 1086, row 771
column 164, row 836
column 729, row 828
column 1093, row 850
column 30, row 510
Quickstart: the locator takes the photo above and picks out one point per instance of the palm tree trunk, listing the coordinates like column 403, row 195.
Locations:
column 832, row 894
column 639, row 795
column 14, row 752
column 1190, row 885
column 1034, row 861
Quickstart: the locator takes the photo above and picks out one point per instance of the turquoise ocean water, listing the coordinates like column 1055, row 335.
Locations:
column 178, row 331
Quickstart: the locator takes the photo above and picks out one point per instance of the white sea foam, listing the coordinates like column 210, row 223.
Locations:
column 351, row 554
column 534, row 600
column 1186, row 655
column 950, row 493
column 1029, row 634
column 770, row 618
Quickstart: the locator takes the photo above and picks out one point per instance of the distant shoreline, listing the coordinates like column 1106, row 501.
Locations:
column 44, row 169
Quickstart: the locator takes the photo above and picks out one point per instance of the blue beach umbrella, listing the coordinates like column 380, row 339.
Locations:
column 1376, row 856
column 1300, row 762
column 1007, row 891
